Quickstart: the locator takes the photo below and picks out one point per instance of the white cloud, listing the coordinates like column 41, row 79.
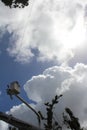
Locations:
column 23, row 113
column 55, row 28
column 57, row 80
column 71, row 82
column 3, row 125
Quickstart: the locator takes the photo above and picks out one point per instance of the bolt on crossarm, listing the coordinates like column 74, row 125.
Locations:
column 14, row 89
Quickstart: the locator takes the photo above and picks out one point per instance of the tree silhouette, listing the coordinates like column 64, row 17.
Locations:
column 51, row 124
column 71, row 121
column 16, row 3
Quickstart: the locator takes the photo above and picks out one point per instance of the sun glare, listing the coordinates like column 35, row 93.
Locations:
column 71, row 38
column 76, row 37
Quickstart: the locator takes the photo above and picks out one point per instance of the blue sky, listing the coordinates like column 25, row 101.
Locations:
column 13, row 71
column 44, row 48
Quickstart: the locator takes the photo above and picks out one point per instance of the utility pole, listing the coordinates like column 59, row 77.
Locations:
column 37, row 114
column 14, row 89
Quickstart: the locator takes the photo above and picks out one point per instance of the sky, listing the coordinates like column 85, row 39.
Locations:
column 44, row 47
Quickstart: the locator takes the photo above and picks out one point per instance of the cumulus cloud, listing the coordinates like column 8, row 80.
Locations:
column 59, row 80
column 23, row 113
column 3, row 125
column 55, row 28
column 71, row 82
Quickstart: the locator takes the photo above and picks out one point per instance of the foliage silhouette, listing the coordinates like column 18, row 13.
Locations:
column 71, row 121
column 50, row 123
column 16, row 3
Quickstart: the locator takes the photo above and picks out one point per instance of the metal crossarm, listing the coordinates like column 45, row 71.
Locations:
column 22, row 125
